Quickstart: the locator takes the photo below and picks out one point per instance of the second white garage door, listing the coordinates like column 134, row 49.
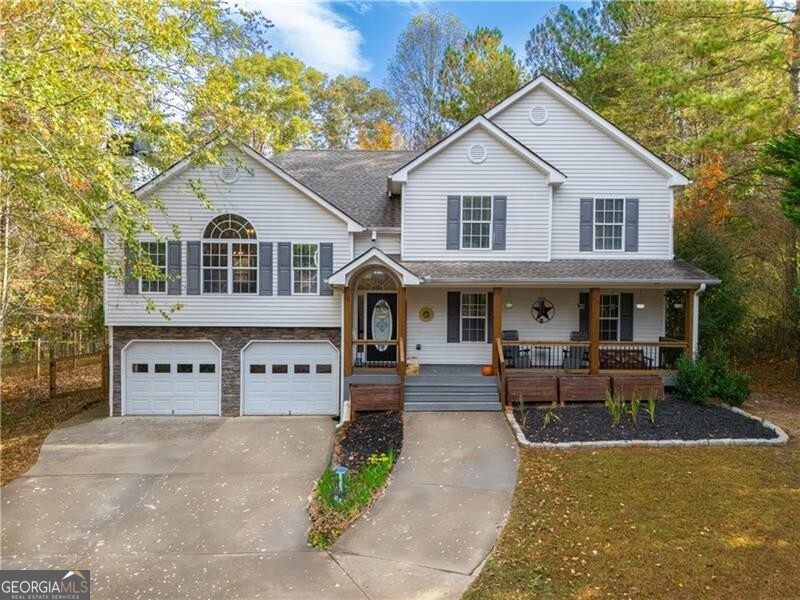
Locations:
column 290, row 378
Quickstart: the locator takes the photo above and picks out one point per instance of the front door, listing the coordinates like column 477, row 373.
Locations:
column 381, row 321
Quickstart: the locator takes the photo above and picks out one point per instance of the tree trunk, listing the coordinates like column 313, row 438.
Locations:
column 793, row 265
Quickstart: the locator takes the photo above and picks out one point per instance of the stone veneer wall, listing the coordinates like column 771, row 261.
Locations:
column 231, row 340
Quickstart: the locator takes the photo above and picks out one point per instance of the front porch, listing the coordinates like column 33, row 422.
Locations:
column 426, row 336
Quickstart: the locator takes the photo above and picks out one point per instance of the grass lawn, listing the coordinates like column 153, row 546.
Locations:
column 652, row 523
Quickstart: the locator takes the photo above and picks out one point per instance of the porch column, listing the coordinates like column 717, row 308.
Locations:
column 497, row 325
column 401, row 327
column 347, row 341
column 688, row 322
column 594, row 331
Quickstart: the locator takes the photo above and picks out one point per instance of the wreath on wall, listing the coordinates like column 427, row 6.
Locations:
column 542, row 310
column 426, row 314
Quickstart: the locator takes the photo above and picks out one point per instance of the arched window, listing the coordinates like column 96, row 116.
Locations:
column 230, row 256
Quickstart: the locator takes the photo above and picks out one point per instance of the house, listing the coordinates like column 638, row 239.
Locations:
column 537, row 238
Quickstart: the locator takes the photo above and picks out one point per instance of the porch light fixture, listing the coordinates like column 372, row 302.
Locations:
column 640, row 306
column 509, row 305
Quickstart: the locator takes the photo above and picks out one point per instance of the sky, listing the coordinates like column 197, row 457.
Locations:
column 359, row 37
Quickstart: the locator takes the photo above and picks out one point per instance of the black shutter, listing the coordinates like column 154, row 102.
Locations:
column 453, row 222
column 193, row 268
column 583, row 314
column 453, row 317
column 489, row 316
column 587, row 225
column 325, row 268
column 131, row 283
column 174, row 267
column 284, row 269
column 631, row 225
column 499, row 223
column 626, row 317
column 265, row 268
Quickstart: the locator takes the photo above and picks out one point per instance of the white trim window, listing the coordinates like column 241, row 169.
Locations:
column 474, row 316
column 230, row 256
column 157, row 251
column 609, row 317
column 609, row 223
column 305, row 269
column 476, row 222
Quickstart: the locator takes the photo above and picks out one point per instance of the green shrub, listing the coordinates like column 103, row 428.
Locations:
column 694, row 379
column 733, row 387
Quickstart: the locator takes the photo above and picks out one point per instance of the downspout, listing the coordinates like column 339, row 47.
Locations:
column 696, row 319
column 110, row 370
column 344, row 405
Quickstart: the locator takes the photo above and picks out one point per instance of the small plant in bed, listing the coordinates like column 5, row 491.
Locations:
column 616, row 408
column 368, row 448
column 650, row 409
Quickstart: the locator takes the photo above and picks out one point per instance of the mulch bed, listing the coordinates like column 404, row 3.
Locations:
column 675, row 420
column 371, row 433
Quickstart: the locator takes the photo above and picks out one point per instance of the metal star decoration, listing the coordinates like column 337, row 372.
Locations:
column 542, row 310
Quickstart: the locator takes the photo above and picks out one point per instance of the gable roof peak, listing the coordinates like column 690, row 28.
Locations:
column 675, row 177
column 554, row 176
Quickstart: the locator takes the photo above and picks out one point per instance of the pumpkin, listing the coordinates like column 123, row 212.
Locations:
column 488, row 370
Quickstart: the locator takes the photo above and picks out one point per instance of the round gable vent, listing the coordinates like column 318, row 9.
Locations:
column 538, row 115
column 228, row 173
column 477, row 153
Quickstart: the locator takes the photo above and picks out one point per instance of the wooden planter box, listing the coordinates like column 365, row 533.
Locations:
column 532, row 388
column 642, row 385
column 374, row 396
column 583, row 388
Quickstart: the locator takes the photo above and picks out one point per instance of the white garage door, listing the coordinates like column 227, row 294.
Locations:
column 291, row 378
column 171, row 378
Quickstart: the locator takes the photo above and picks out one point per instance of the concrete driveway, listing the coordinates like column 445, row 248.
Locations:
column 198, row 507
column 449, row 496
column 176, row 507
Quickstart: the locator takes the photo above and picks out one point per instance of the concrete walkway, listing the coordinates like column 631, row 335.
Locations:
column 450, row 493
column 215, row 508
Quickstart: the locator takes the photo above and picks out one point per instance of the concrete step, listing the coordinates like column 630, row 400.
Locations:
column 436, row 397
column 451, row 406
column 450, row 382
column 461, row 399
column 490, row 391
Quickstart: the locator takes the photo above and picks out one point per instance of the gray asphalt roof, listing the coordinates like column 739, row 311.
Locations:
column 352, row 180
column 563, row 271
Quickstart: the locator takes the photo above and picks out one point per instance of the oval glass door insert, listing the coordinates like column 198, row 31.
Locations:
column 381, row 323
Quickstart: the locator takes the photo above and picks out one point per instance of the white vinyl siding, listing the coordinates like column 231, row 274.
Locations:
column 449, row 173
column 388, row 242
column 278, row 212
column 596, row 166
column 432, row 335
column 648, row 323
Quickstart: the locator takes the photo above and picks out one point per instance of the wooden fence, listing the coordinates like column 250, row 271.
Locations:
column 52, row 376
